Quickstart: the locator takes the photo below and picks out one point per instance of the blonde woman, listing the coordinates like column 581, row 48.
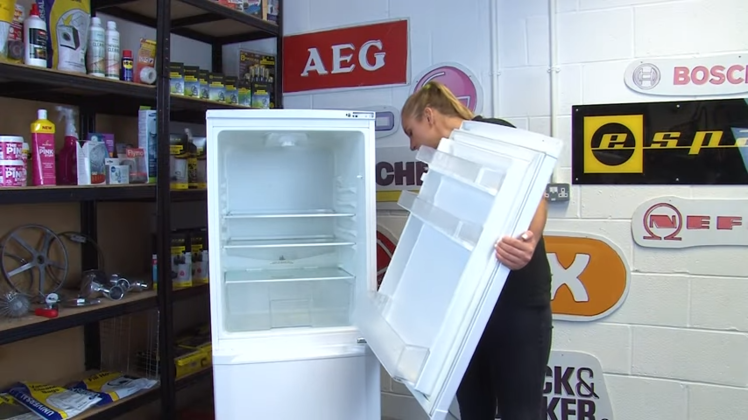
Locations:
column 507, row 370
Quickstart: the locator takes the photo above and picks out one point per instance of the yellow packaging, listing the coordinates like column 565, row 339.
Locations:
column 67, row 25
column 113, row 386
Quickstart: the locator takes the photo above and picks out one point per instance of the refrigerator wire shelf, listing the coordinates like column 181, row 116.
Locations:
column 296, row 214
column 239, row 243
column 286, row 275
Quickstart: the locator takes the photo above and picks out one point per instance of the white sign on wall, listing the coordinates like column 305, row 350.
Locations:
column 703, row 76
column 673, row 222
column 397, row 170
column 575, row 388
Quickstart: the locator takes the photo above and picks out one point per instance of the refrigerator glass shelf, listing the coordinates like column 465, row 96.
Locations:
column 286, row 275
column 473, row 174
column 286, row 243
column 300, row 214
column 464, row 233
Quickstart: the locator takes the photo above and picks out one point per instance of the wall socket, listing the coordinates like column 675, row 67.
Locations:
column 557, row 192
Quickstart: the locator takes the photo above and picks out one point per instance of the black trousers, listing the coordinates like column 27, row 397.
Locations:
column 508, row 367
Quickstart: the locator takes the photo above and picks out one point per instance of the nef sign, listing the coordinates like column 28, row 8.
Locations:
column 672, row 222
column 705, row 76
column 575, row 388
column 369, row 55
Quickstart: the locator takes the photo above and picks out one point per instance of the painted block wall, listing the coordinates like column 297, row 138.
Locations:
column 677, row 347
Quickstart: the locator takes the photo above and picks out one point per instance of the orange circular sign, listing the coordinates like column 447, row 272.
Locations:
column 590, row 276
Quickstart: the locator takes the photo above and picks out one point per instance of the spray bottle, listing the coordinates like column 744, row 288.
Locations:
column 67, row 169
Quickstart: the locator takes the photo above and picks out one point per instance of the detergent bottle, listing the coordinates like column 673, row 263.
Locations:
column 43, row 144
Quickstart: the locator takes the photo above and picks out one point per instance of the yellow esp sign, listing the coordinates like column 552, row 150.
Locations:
column 616, row 144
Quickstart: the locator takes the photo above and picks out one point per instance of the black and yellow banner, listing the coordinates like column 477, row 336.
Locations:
column 661, row 143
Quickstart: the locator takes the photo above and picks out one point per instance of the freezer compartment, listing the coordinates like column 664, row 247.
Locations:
column 289, row 228
column 288, row 298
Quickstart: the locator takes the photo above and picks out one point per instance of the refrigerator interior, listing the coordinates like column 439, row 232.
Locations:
column 291, row 208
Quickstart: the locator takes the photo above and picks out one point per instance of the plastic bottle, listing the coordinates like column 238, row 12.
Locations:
column 43, row 145
column 35, row 39
column 112, row 51
column 67, row 169
column 96, row 53
column 127, row 66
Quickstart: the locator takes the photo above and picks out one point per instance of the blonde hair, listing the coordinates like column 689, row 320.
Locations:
column 438, row 97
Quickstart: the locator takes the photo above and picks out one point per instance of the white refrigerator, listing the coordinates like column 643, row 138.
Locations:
column 299, row 328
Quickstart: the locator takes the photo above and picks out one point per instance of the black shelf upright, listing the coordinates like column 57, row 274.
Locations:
column 163, row 212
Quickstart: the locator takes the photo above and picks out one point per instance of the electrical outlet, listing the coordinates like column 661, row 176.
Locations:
column 557, row 192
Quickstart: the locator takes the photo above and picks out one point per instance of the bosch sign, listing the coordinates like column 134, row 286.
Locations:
column 703, row 76
column 673, row 222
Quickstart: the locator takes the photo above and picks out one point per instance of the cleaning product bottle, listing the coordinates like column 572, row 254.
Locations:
column 35, row 39
column 67, row 169
column 43, row 145
column 96, row 53
column 112, row 51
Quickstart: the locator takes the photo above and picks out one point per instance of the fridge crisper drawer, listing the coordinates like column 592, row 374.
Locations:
column 282, row 298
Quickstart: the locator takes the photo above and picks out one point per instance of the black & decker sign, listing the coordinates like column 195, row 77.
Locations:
column 666, row 143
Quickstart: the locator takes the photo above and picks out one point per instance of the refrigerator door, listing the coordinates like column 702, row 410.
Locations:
column 484, row 182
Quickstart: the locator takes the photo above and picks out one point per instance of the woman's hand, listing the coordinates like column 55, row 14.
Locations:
column 515, row 253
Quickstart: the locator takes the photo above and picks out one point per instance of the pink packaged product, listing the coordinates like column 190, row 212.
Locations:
column 12, row 173
column 11, row 148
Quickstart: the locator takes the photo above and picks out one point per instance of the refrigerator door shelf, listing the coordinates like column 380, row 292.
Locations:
column 443, row 281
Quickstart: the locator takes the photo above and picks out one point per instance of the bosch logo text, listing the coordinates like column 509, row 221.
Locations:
column 715, row 75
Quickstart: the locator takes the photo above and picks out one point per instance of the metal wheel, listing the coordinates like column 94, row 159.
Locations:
column 47, row 262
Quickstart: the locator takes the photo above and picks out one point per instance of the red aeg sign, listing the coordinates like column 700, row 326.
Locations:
column 369, row 55
column 682, row 223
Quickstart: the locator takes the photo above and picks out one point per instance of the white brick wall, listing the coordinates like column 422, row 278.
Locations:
column 678, row 347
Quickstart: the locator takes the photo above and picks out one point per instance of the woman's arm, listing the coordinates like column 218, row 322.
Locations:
column 515, row 253
column 538, row 221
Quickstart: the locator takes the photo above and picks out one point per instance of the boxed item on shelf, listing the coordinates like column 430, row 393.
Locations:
column 216, row 88
column 272, row 10
column 198, row 239
column 147, row 140
column 192, row 81
column 258, row 70
column 15, row 35
column 176, row 78
column 204, row 77
column 198, row 343
column 179, row 154
column 186, row 361
column 181, row 260
column 231, row 91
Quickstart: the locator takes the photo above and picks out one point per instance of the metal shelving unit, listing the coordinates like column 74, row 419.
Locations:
column 202, row 20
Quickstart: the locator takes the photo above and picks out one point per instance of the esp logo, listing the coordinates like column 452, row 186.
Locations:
column 616, row 144
column 590, row 276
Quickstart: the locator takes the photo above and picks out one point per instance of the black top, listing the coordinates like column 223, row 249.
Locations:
column 530, row 285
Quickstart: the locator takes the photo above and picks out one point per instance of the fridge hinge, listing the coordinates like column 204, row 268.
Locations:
column 361, row 340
